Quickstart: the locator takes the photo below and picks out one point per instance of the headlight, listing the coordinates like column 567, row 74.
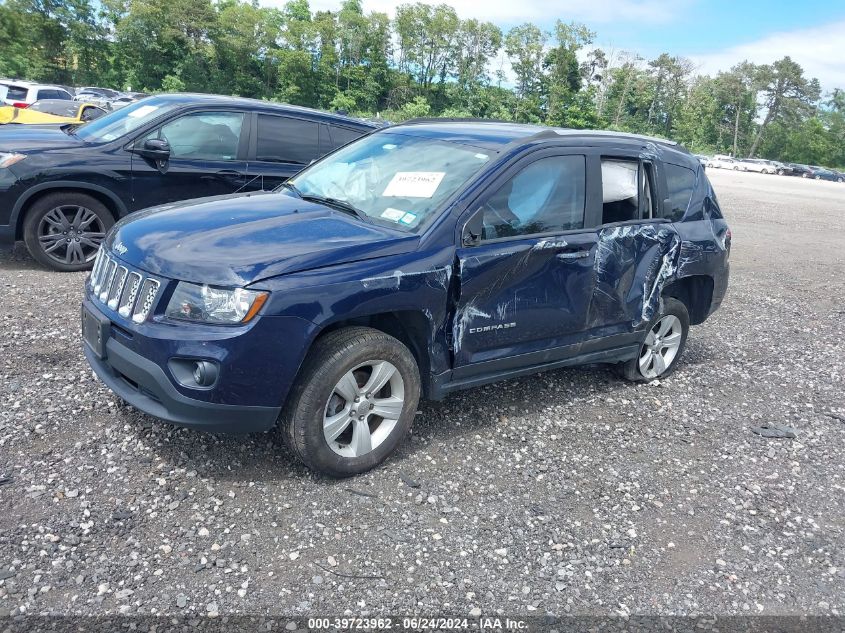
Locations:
column 193, row 302
column 8, row 159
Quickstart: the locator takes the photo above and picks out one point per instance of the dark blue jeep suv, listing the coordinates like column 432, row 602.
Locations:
column 425, row 258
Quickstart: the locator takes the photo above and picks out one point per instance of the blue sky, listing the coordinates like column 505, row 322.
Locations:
column 715, row 34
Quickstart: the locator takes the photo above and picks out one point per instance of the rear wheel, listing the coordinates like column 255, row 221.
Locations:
column 353, row 403
column 664, row 343
column 63, row 231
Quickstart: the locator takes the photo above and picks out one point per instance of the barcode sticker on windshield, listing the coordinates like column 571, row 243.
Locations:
column 414, row 184
column 392, row 214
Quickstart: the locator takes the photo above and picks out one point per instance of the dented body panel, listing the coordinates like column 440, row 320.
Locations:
column 471, row 312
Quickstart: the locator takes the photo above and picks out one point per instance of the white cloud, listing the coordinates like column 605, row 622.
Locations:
column 513, row 11
column 818, row 50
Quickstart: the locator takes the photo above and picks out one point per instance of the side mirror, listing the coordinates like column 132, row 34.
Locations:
column 473, row 229
column 155, row 149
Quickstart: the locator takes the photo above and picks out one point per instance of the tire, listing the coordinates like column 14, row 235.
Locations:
column 736, row 168
column 780, row 172
column 83, row 219
column 316, row 398
column 818, row 177
column 633, row 369
column 805, row 175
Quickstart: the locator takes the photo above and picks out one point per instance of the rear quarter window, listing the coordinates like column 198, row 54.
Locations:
column 16, row 93
column 680, row 182
column 343, row 135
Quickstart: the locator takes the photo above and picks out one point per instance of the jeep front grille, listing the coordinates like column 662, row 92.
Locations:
column 126, row 291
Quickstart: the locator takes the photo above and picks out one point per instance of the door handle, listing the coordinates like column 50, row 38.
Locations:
column 570, row 255
column 230, row 172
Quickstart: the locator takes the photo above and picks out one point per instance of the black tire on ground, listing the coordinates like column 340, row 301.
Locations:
column 780, row 172
column 332, row 356
column 818, row 177
column 71, row 202
column 631, row 369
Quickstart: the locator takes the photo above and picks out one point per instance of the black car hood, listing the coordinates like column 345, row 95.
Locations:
column 23, row 138
column 237, row 240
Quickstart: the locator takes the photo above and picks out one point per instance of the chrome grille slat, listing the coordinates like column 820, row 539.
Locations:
column 111, row 269
column 145, row 300
column 126, row 291
column 130, row 293
column 117, row 287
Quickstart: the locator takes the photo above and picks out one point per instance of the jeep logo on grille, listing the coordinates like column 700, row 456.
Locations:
column 120, row 248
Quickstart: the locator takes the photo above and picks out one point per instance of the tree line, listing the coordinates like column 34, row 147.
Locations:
column 425, row 61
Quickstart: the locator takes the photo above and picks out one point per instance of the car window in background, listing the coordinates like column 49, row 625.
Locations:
column 395, row 178
column 210, row 135
column 285, row 140
column 680, row 182
column 546, row 196
column 121, row 122
column 16, row 93
column 342, row 135
column 48, row 93
column 90, row 113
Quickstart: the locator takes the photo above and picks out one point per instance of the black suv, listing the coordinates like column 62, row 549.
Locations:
column 62, row 189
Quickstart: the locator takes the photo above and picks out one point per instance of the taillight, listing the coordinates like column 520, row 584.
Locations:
column 20, row 104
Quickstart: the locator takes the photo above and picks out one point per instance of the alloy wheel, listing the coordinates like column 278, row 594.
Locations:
column 71, row 234
column 364, row 408
column 661, row 346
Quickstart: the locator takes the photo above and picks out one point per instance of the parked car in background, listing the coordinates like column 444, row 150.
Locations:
column 840, row 176
column 61, row 189
column 756, row 164
column 823, row 173
column 426, row 258
column 22, row 94
column 781, row 169
column 721, row 161
column 51, row 112
column 801, row 170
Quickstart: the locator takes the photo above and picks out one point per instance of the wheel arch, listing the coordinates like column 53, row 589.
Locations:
column 696, row 293
column 114, row 204
column 412, row 327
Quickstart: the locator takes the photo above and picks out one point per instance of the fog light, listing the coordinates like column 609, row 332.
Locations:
column 205, row 373
column 193, row 373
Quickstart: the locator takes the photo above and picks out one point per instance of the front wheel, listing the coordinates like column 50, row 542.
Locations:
column 64, row 230
column 353, row 402
column 664, row 343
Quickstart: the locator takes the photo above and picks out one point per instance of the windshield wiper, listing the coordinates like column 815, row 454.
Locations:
column 340, row 205
column 292, row 187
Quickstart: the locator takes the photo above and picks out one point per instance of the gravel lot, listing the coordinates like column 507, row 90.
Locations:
column 568, row 492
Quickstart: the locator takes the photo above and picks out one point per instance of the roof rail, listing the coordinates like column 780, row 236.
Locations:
column 455, row 120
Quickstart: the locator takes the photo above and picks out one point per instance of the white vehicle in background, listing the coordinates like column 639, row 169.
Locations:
column 756, row 164
column 720, row 161
column 23, row 94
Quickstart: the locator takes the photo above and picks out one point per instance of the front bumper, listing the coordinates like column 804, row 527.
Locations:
column 145, row 386
column 257, row 365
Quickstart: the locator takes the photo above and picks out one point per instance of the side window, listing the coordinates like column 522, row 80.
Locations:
column 209, row 135
column 626, row 192
column 17, row 93
column 546, row 196
column 343, row 135
column 90, row 113
column 680, row 182
column 286, row 140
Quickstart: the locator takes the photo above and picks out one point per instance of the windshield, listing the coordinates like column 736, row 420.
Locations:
column 123, row 121
column 393, row 177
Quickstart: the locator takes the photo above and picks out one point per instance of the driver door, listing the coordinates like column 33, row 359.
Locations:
column 207, row 158
column 527, row 280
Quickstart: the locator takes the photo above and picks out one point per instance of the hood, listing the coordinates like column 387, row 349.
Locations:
column 237, row 240
column 9, row 114
column 23, row 138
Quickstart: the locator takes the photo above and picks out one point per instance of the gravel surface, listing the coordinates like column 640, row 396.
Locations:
column 568, row 492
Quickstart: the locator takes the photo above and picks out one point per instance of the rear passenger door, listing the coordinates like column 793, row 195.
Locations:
column 637, row 249
column 526, row 281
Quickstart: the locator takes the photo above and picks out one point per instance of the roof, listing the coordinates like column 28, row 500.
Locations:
column 210, row 99
column 496, row 134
